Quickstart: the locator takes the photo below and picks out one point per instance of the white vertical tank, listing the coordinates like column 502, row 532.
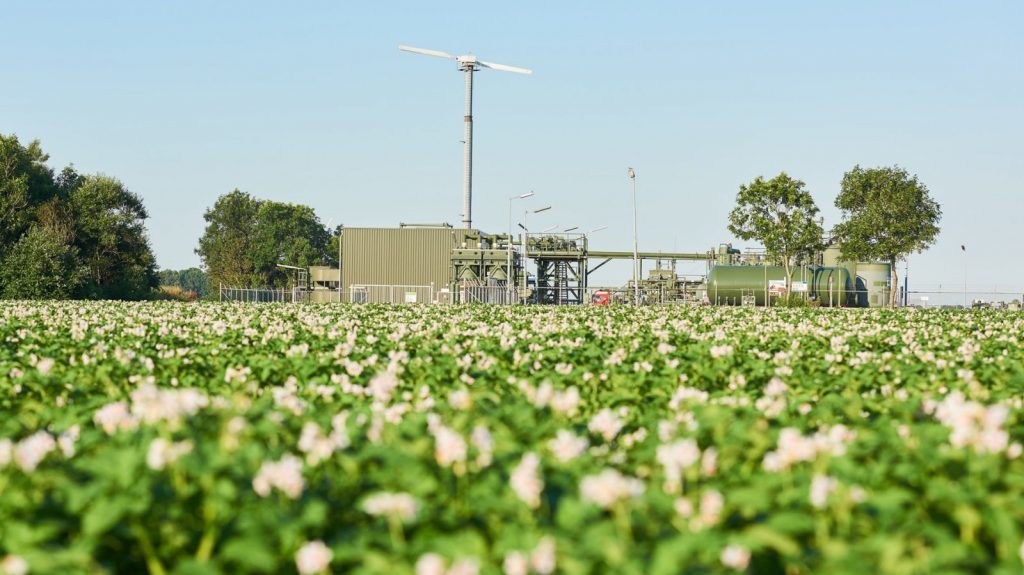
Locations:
column 877, row 278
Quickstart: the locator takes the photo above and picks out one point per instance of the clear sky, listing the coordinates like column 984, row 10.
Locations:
column 312, row 102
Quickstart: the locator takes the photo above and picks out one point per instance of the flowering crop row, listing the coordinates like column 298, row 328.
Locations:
column 207, row 438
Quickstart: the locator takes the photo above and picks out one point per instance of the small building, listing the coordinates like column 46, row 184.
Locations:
column 420, row 263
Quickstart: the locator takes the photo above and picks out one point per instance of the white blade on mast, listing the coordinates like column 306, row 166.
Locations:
column 505, row 67
column 426, row 52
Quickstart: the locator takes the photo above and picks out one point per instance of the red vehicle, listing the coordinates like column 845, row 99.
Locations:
column 601, row 297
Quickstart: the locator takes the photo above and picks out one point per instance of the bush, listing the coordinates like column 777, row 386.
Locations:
column 39, row 266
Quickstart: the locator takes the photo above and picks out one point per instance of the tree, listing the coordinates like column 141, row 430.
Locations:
column 288, row 234
column 25, row 183
column 246, row 238
column 90, row 221
column 110, row 234
column 226, row 242
column 887, row 215
column 781, row 215
column 188, row 280
column 39, row 266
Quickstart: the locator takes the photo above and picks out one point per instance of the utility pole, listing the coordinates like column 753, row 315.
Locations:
column 964, row 250
column 636, row 258
column 508, row 279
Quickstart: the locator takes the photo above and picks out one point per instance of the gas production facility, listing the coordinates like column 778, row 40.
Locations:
column 441, row 264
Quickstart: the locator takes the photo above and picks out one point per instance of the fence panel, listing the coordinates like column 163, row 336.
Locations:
column 497, row 295
column 394, row 294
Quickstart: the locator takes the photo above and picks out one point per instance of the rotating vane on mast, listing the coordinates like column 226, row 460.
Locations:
column 468, row 64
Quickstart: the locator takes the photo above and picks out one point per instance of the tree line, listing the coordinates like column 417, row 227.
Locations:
column 887, row 215
column 83, row 236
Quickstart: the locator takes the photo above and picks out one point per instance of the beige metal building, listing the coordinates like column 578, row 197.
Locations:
column 403, row 256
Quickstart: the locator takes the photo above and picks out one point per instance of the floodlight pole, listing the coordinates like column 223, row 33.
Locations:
column 964, row 250
column 636, row 258
column 508, row 280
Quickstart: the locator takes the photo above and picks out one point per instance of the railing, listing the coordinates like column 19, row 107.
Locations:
column 496, row 295
column 263, row 295
column 396, row 294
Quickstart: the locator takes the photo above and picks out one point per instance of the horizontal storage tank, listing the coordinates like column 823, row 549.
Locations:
column 728, row 285
column 877, row 280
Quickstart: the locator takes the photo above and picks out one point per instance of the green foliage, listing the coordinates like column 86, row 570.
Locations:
column 781, row 215
column 89, row 230
column 188, row 280
column 227, row 242
column 39, row 266
column 135, row 437
column 25, row 182
column 246, row 238
column 887, row 215
column 110, row 235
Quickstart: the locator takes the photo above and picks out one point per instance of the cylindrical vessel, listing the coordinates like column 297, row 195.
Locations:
column 833, row 287
column 877, row 279
column 729, row 285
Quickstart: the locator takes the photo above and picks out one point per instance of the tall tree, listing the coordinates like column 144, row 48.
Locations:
column 289, row 234
column 887, row 215
column 781, row 215
column 226, row 243
column 25, row 183
column 110, row 235
column 246, row 239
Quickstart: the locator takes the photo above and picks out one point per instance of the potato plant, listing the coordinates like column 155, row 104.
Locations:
column 223, row 438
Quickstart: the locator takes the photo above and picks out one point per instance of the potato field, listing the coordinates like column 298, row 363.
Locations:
column 169, row 438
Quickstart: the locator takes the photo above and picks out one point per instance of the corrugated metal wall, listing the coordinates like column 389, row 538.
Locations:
column 399, row 256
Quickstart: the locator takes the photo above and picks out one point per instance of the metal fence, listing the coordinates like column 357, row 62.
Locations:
column 497, row 295
column 263, row 295
column 404, row 294
column 959, row 299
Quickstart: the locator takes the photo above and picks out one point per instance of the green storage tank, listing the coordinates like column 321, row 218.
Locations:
column 728, row 285
column 833, row 287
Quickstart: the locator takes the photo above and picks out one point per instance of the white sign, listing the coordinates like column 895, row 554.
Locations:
column 776, row 287
column 799, row 287
column 410, row 297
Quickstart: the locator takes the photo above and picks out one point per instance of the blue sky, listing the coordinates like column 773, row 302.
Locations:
column 312, row 102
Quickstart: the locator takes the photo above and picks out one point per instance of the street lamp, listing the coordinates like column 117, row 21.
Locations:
column 964, row 250
column 508, row 279
column 636, row 259
column 597, row 229
column 572, row 229
column 525, row 232
column 549, row 229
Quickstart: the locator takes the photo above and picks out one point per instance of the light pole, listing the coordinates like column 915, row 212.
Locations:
column 964, row 250
column 509, row 281
column 636, row 259
column 525, row 233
